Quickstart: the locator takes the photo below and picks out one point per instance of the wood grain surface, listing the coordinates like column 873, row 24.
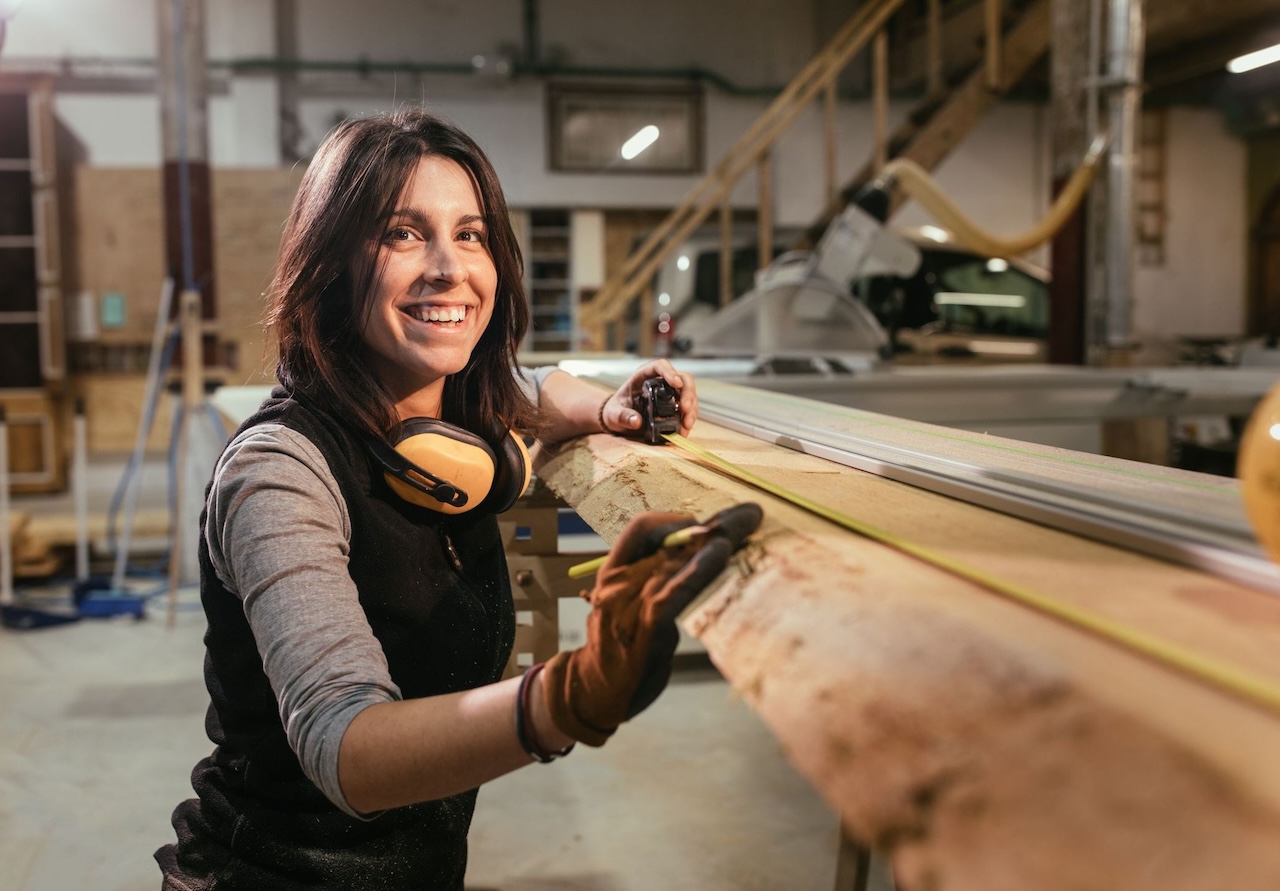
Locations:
column 978, row 743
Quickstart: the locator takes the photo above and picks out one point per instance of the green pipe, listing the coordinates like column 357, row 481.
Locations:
column 366, row 66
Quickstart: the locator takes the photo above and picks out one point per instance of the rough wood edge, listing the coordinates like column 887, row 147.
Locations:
column 974, row 762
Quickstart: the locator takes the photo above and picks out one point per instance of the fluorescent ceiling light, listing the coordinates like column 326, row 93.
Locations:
column 645, row 137
column 1250, row 61
column 995, row 264
column 954, row 298
column 933, row 233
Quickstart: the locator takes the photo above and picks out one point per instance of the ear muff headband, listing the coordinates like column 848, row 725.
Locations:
column 464, row 473
column 515, row 471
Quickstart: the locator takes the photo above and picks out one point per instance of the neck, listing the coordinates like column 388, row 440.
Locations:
column 427, row 402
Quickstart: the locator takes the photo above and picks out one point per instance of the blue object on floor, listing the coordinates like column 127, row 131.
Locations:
column 96, row 599
column 24, row 618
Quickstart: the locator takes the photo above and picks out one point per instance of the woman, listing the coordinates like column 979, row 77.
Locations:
column 359, row 611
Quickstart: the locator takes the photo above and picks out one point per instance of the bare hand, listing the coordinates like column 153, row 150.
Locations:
column 620, row 415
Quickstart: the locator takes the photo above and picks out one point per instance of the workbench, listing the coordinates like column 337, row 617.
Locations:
column 972, row 740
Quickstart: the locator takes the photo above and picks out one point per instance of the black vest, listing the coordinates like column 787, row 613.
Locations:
column 436, row 594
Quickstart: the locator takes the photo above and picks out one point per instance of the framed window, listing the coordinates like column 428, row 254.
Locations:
column 625, row 130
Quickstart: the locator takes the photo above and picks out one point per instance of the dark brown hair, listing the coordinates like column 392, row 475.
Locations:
column 320, row 296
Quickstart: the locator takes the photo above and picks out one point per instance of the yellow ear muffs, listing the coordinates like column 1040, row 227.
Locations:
column 515, row 469
column 463, row 475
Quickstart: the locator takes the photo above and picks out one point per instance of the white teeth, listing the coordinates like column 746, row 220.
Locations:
column 446, row 315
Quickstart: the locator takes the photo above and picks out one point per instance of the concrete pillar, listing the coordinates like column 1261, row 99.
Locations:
column 1068, row 99
column 188, row 223
column 184, row 125
column 286, row 22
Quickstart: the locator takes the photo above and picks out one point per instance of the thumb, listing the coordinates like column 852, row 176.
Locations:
column 689, row 582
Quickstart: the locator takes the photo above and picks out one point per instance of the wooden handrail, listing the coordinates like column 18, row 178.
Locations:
column 622, row 288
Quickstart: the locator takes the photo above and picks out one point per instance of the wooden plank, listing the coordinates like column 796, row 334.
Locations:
column 977, row 743
column 59, row 530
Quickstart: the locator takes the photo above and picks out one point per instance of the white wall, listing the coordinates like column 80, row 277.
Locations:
column 126, row 29
column 436, row 31
column 771, row 39
column 998, row 175
column 120, row 29
column 1201, row 287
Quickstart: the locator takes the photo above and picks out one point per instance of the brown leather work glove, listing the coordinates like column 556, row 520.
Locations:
column 631, row 631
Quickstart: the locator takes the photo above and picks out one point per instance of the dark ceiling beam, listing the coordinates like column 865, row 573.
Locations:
column 1205, row 57
column 1175, row 23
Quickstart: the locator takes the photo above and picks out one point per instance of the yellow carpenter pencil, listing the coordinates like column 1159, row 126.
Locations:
column 674, row 540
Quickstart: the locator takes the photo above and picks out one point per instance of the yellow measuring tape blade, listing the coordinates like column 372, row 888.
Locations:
column 1239, row 682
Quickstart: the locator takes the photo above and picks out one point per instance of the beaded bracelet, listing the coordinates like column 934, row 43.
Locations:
column 600, row 416
column 524, row 727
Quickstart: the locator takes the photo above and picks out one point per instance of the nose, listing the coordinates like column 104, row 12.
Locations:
column 443, row 264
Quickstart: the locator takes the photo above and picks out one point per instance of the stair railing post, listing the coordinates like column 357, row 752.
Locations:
column 829, row 119
column 933, row 62
column 880, row 95
column 726, row 254
column 995, row 77
column 647, row 320
column 764, row 213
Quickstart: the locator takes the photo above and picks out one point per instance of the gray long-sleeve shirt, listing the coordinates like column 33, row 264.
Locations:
column 279, row 535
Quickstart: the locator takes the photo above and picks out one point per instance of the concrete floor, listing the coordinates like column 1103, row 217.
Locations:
column 102, row 720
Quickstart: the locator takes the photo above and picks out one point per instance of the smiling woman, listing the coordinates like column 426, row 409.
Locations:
column 435, row 287
column 359, row 610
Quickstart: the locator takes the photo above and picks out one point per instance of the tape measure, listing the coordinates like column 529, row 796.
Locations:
column 1238, row 682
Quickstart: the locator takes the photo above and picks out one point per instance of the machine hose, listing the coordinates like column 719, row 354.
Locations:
column 912, row 179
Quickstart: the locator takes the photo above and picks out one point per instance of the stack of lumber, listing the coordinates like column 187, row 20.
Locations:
column 977, row 743
column 43, row 545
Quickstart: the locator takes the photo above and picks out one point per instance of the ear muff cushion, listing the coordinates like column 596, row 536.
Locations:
column 451, row 453
column 515, row 469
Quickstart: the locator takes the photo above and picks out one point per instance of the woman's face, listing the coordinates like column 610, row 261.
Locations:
column 434, row 294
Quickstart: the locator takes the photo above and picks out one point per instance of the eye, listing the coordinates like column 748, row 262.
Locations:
column 474, row 235
column 398, row 233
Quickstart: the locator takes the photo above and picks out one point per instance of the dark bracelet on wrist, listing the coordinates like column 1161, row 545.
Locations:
column 525, row 732
column 604, row 428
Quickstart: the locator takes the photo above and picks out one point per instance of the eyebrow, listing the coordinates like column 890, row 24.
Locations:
column 418, row 218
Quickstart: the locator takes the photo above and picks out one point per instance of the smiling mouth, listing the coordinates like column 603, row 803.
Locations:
column 446, row 316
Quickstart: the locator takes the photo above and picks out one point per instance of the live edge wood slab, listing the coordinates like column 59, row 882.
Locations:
column 978, row 744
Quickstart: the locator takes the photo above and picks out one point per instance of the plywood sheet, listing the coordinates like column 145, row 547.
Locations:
column 119, row 247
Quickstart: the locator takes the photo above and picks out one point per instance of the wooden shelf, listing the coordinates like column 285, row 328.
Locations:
column 32, row 346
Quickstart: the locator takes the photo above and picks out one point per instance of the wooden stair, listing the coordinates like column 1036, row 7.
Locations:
column 939, row 124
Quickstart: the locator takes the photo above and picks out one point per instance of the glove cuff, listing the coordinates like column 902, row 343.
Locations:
column 558, row 677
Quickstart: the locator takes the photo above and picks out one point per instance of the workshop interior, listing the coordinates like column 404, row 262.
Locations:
column 982, row 302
